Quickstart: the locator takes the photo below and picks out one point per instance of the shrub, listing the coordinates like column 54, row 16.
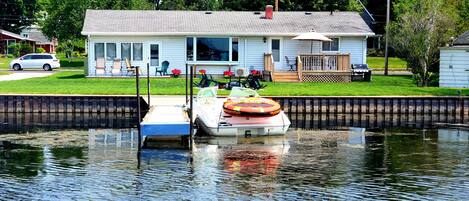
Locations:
column 19, row 49
column 40, row 50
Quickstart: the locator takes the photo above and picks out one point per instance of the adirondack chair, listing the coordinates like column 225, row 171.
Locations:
column 164, row 68
column 290, row 64
column 116, row 67
column 129, row 67
column 100, row 66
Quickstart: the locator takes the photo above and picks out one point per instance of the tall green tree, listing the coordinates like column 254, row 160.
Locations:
column 64, row 19
column 463, row 16
column 421, row 28
column 17, row 14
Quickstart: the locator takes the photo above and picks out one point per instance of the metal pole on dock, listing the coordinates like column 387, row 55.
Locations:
column 191, row 110
column 187, row 70
column 139, row 115
column 148, row 83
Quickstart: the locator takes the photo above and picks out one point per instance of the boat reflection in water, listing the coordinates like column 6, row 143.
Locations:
column 251, row 156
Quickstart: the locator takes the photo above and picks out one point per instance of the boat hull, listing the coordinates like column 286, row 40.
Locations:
column 245, row 129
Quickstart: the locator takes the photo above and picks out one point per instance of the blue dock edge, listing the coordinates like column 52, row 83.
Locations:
column 164, row 129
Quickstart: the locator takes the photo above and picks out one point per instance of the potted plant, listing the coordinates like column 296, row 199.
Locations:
column 175, row 73
column 227, row 74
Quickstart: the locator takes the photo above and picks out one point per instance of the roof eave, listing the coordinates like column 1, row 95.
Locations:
column 456, row 47
column 86, row 33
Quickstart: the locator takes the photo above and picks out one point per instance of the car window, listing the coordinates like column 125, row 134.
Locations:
column 27, row 57
column 36, row 57
column 47, row 56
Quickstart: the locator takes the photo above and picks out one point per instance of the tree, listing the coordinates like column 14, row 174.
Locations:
column 419, row 31
column 173, row 5
column 463, row 14
column 64, row 19
column 17, row 14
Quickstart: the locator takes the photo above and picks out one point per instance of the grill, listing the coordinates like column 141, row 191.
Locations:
column 361, row 72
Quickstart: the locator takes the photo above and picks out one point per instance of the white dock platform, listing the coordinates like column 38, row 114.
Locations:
column 167, row 117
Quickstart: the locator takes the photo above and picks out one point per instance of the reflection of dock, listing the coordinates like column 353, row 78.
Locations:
column 167, row 118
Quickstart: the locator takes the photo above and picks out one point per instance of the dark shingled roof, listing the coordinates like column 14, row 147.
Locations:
column 138, row 22
column 462, row 39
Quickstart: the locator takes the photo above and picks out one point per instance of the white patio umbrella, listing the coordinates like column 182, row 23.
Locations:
column 312, row 36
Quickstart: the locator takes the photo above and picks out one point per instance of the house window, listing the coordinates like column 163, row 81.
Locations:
column 276, row 49
column 25, row 35
column 190, row 49
column 234, row 49
column 137, row 51
column 213, row 49
column 125, row 51
column 98, row 50
column 331, row 45
column 110, row 51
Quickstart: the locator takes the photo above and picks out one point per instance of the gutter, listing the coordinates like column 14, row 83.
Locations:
column 215, row 34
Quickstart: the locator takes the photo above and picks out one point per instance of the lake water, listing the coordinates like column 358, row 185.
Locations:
column 342, row 162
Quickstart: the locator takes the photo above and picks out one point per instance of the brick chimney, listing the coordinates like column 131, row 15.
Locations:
column 269, row 12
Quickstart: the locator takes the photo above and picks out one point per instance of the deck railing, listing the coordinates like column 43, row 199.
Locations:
column 269, row 64
column 324, row 62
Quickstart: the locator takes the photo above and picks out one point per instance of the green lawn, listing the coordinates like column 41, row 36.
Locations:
column 4, row 62
column 75, row 83
column 394, row 62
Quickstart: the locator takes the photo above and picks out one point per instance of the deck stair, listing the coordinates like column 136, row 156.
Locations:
column 286, row 76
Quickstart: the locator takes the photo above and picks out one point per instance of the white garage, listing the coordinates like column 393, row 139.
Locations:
column 454, row 63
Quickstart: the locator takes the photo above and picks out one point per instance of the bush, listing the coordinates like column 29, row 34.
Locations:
column 375, row 53
column 40, row 50
column 19, row 49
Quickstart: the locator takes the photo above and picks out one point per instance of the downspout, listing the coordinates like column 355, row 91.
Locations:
column 87, row 66
column 245, row 53
column 363, row 50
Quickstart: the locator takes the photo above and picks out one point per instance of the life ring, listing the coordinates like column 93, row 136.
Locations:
column 252, row 106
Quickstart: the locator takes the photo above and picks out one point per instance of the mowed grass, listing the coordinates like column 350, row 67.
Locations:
column 75, row 83
column 394, row 62
column 4, row 62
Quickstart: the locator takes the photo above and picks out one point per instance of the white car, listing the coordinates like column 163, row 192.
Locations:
column 35, row 61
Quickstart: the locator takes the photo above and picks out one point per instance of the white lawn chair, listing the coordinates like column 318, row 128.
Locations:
column 100, row 66
column 116, row 67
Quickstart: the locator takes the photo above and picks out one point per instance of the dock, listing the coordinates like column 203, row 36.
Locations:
column 167, row 118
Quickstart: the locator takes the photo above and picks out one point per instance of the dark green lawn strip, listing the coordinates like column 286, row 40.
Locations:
column 76, row 83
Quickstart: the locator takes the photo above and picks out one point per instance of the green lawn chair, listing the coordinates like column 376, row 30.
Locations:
column 164, row 68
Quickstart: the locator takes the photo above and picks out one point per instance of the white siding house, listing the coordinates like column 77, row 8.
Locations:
column 218, row 41
column 454, row 63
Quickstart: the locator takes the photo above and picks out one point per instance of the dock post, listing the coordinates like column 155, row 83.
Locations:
column 148, row 84
column 187, row 70
column 191, row 113
column 139, row 115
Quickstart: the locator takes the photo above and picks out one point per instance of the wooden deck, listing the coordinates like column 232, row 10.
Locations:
column 312, row 68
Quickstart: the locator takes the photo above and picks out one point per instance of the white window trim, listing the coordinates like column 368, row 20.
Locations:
column 338, row 47
column 230, row 52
